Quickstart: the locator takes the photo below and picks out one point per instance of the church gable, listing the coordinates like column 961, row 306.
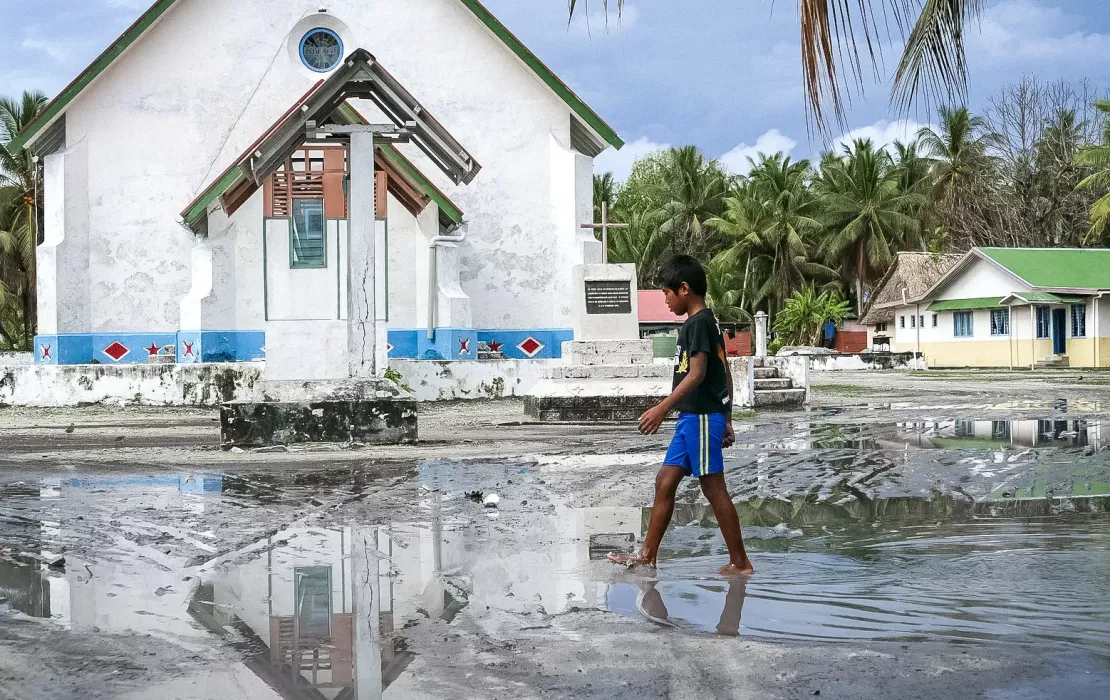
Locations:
column 590, row 132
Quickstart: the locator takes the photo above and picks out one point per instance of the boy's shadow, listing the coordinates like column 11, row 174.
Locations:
column 651, row 605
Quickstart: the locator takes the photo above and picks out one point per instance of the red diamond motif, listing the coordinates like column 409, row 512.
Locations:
column 531, row 346
column 117, row 351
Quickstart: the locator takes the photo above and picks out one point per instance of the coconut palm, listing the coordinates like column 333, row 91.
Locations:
column 867, row 214
column 788, row 228
column 725, row 288
column 641, row 244
column 933, row 63
column 692, row 191
column 1098, row 158
column 605, row 192
column 20, row 190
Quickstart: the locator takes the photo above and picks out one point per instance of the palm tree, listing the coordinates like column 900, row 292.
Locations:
column 20, row 188
column 693, row 190
column 641, row 244
column 725, row 289
column 789, row 226
column 933, row 62
column 964, row 175
column 1098, row 157
column 866, row 212
column 605, row 192
column 743, row 219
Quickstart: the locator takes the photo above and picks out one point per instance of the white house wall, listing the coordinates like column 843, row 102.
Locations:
column 981, row 279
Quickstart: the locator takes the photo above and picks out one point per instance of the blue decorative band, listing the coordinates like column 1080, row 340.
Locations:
column 140, row 348
column 462, row 343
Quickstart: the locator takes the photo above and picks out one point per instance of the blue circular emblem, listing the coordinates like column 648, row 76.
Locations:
column 321, row 50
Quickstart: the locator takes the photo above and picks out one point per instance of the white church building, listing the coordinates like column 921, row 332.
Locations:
column 161, row 239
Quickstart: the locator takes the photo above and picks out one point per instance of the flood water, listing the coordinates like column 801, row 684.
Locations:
column 1008, row 568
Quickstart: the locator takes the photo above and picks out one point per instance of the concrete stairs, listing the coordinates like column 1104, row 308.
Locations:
column 774, row 390
column 1054, row 362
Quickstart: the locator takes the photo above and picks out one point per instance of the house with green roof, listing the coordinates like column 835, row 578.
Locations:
column 197, row 173
column 1011, row 307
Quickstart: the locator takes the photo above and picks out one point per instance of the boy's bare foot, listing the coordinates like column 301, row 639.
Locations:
column 734, row 570
column 630, row 560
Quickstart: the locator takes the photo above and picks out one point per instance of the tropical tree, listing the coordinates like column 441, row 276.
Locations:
column 788, row 228
column 1097, row 156
column 605, row 192
column 867, row 213
column 691, row 191
column 725, row 288
column 805, row 313
column 20, row 192
column 642, row 244
column 965, row 176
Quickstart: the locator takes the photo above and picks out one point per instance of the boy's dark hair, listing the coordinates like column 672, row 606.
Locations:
column 683, row 268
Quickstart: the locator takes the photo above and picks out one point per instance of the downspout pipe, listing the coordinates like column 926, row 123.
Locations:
column 450, row 236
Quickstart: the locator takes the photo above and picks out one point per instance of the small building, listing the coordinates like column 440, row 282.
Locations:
column 999, row 307
column 907, row 280
column 661, row 325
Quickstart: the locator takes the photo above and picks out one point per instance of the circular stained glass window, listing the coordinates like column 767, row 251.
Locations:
column 321, row 50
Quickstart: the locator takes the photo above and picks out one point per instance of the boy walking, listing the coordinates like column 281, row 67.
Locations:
column 702, row 395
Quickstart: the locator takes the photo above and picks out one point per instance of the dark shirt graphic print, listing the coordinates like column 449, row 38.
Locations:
column 700, row 333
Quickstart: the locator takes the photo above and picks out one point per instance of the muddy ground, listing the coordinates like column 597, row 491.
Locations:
column 915, row 535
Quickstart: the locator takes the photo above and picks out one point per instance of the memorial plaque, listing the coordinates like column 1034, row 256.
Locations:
column 608, row 297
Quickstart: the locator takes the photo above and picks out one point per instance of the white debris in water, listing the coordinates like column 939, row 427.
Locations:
column 783, row 530
column 491, row 500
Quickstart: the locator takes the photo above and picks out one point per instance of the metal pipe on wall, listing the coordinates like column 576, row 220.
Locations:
column 433, row 269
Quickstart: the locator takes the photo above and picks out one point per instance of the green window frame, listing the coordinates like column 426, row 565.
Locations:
column 308, row 235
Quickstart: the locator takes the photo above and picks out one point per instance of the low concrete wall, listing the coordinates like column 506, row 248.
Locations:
column 16, row 359
column 864, row 361
column 447, row 380
column 147, row 385
column 794, row 368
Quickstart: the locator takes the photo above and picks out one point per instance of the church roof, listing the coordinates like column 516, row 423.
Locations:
column 236, row 184
column 57, row 107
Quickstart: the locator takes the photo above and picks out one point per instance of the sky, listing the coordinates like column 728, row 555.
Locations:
column 723, row 75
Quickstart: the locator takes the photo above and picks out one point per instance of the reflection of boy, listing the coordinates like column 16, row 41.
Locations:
column 650, row 604
column 702, row 395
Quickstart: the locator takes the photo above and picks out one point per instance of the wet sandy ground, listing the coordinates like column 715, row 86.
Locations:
column 930, row 536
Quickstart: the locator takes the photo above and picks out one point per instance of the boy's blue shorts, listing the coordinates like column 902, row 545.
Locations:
column 697, row 444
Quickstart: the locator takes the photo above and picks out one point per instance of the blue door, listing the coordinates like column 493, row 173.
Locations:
column 1059, row 331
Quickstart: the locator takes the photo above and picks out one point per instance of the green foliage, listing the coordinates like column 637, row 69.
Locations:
column 1097, row 158
column 20, row 213
column 802, row 319
column 396, row 377
column 774, row 346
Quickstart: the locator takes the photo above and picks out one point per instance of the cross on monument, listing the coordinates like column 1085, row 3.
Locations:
column 604, row 226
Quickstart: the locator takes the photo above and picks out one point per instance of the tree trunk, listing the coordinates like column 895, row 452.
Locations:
column 30, row 291
column 859, row 297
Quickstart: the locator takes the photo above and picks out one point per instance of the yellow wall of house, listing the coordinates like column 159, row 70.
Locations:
column 1019, row 352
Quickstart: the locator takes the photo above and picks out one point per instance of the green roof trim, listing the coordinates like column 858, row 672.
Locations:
column 82, row 81
column 1056, row 268
column 199, row 207
column 1047, row 298
column 965, row 304
column 544, row 73
column 446, row 206
column 397, row 160
column 152, row 15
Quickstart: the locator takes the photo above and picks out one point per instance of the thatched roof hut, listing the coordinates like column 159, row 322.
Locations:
column 911, row 275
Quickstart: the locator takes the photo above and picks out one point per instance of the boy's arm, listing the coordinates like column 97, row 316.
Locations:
column 654, row 417
column 730, row 434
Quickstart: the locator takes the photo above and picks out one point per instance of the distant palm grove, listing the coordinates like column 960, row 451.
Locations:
column 1032, row 170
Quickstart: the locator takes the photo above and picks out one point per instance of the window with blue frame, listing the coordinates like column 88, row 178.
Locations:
column 963, row 324
column 1079, row 320
column 307, row 246
column 1044, row 322
column 1000, row 322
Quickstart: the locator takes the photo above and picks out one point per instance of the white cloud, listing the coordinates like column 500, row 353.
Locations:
column 54, row 49
column 882, row 133
column 770, row 143
column 1019, row 32
column 620, row 162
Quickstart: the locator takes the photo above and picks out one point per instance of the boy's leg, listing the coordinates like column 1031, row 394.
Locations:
column 666, row 484
column 715, row 490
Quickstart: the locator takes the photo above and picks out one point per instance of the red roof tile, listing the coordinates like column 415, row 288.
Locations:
column 653, row 308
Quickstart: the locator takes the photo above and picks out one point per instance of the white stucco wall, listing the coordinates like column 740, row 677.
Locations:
column 167, row 118
column 981, row 279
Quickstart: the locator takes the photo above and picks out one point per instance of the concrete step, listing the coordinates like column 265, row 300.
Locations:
column 1053, row 362
column 776, row 383
column 779, row 397
column 766, row 372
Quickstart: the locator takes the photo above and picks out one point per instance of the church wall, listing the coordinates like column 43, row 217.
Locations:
column 179, row 107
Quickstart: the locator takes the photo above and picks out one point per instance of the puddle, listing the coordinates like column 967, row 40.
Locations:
column 949, row 434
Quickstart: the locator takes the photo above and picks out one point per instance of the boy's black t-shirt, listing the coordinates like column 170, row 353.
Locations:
column 701, row 333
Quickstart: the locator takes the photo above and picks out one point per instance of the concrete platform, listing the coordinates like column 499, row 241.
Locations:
column 571, row 409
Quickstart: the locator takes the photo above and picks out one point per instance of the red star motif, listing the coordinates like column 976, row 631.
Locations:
column 152, row 350
column 464, row 346
column 46, row 352
column 188, row 349
column 495, row 346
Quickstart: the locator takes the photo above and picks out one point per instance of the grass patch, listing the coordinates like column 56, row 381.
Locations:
column 746, row 413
